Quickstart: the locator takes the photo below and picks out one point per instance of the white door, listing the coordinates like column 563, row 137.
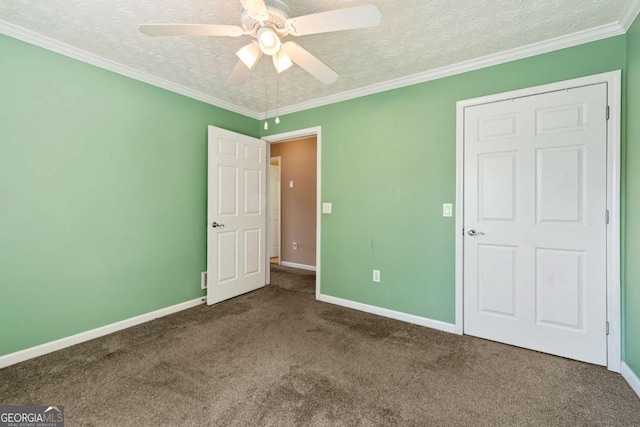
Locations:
column 236, row 214
column 274, row 207
column 535, row 222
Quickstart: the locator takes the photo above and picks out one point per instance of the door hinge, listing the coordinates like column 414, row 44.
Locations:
column 606, row 216
column 607, row 327
column 608, row 112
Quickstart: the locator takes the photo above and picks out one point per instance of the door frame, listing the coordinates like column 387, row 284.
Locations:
column 301, row 133
column 279, row 234
column 614, row 88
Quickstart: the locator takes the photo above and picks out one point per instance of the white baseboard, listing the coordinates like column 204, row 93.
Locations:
column 30, row 353
column 296, row 265
column 631, row 378
column 384, row 312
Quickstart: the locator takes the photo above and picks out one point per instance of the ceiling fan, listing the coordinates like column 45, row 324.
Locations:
column 268, row 22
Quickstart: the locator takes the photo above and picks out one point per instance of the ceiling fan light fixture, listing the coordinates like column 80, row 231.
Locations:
column 249, row 55
column 281, row 61
column 268, row 40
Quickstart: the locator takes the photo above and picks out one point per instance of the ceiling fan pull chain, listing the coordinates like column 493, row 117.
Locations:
column 266, row 98
column 277, row 98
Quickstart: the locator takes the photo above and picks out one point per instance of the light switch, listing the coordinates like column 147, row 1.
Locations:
column 326, row 208
column 290, row 184
column 447, row 209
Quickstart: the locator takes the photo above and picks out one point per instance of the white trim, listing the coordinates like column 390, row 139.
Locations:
column 631, row 377
column 296, row 265
column 630, row 15
column 613, row 80
column 269, row 232
column 317, row 131
column 384, row 312
column 459, row 229
column 614, row 292
column 40, row 350
column 562, row 42
column 107, row 64
column 557, row 43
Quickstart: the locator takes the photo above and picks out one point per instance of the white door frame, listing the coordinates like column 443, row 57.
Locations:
column 279, row 236
column 613, row 81
column 301, row 133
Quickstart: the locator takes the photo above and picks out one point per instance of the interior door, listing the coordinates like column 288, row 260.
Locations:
column 236, row 214
column 535, row 222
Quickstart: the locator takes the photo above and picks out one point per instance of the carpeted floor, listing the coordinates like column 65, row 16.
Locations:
column 278, row 357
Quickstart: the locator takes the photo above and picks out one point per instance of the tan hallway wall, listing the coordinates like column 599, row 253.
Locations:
column 299, row 165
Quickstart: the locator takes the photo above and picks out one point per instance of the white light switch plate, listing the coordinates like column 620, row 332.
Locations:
column 447, row 209
column 327, row 208
column 290, row 184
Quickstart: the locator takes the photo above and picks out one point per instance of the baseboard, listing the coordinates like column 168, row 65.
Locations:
column 384, row 312
column 296, row 265
column 40, row 350
column 631, row 378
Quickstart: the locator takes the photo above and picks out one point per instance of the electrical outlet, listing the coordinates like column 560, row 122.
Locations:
column 203, row 280
column 376, row 276
column 295, row 246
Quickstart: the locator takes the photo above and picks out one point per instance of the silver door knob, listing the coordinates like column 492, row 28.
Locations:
column 216, row 225
column 473, row 232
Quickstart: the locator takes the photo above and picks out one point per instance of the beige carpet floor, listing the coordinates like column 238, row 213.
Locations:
column 278, row 357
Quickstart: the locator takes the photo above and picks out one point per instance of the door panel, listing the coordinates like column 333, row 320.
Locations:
column 535, row 193
column 236, row 203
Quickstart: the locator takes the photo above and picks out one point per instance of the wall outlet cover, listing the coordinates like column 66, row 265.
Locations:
column 376, row 276
column 327, row 208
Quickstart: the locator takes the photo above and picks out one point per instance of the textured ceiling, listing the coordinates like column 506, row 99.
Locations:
column 415, row 36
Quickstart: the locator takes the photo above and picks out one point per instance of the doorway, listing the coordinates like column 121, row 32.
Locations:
column 274, row 247
column 537, row 245
column 300, row 193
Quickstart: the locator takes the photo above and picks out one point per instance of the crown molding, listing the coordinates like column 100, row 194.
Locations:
column 48, row 43
column 546, row 46
column 630, row 15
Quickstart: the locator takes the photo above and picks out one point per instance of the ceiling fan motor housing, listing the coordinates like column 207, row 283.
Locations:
column 278, row 13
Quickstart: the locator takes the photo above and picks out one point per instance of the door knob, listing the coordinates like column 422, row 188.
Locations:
column 473, row 232
column 216, row 225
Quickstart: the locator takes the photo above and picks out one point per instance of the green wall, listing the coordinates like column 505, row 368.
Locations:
column 388, row 164
column 102, row 195
column 632, row 241
column 103, row 189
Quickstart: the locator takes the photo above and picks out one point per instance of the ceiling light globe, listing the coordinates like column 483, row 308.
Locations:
column 268, row 40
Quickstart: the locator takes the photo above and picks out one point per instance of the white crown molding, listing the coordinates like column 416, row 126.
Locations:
column 45, row 42
column 562, row 42
column 630, row 15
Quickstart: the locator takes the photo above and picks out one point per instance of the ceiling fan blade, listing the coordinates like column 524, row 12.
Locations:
column 239, row 75
column 191, row 30
column 256, row 9
column 310, row 63
column 351, row 18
